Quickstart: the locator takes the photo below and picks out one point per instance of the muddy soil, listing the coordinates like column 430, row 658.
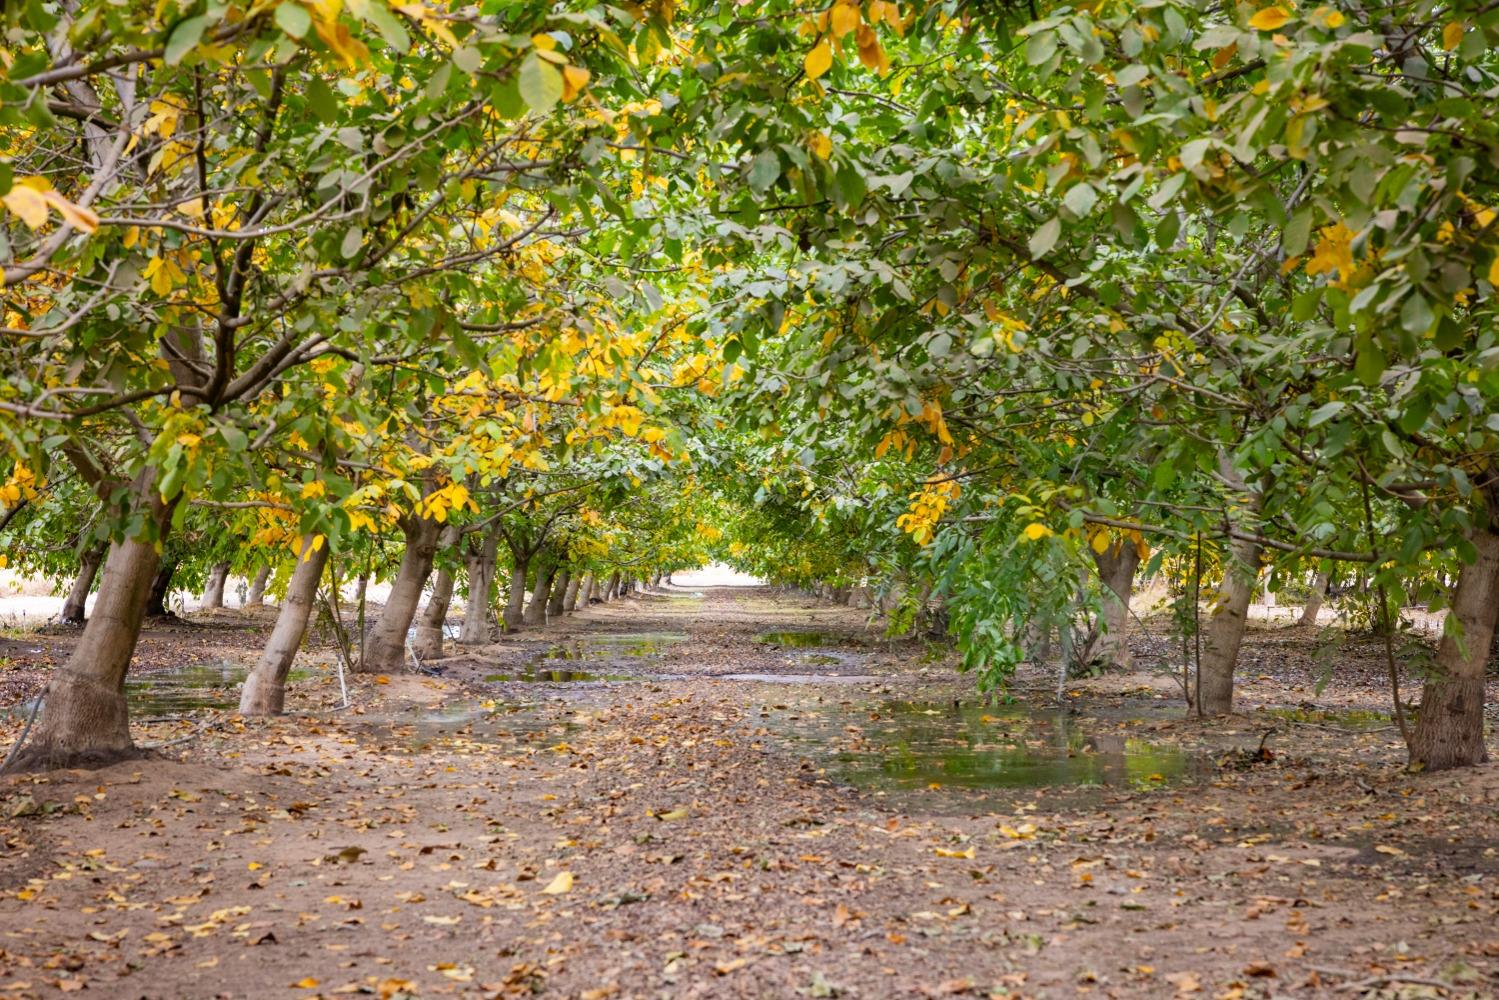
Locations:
column 738, row 794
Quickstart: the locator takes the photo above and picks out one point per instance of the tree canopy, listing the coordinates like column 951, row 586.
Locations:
column 976, row 309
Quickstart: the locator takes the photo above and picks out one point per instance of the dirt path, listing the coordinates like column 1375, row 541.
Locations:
column 875, row 833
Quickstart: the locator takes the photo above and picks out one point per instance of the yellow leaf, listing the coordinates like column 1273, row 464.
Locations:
column 943, row 852
column 1269, row 19
column 1036, row 531
column 821, row 145
column 79, row 218
column 818, row 60
column 1452, row 35
column 1100, row 542
column 28, row 204
column 870, row 53
column 845, row 18
column 307, row 983
column 1494, row 272
column 1335, row 19
column 562, row 883
column 574, row 79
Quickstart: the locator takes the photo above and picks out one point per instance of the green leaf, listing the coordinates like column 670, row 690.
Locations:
column 1167, row 229
column 1080, row 199
column 1416, row 316
column 390, row 27
column 1325, row 412
column 185, row 36
column 1370, row 364
column 321, row 100
column 1298, row 230
column 1043, row 239
column 764, row 170
column 353, row 242
column 293, row 19
column 1040, row 48
column 540, row 84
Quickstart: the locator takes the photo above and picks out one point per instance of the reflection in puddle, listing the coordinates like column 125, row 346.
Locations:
column 535, row 674
column 796, row 639
column 820, row 660
column 610, row 647
column 1355, row 719
column 802, row 678
column 461, row 727
column 189, row 688
column 903, row 746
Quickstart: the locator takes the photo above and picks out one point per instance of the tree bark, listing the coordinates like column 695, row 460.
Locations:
column 386, row 650
column 570, row 595
column 84, row 720
column 1449, row 729
column 428, row 639
column 516, row 605
column 1224, row 631
column 560, row 585
column 213, row 593
column 612, row 590
column 264, row 692
column 1314, row 600
column 541, row 595
column 256, row 596
column 1116, row 568
column 480, row 565
column 77, row 601
column 161, row 589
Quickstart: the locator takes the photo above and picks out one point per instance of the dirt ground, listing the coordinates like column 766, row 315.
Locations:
column 856, row 822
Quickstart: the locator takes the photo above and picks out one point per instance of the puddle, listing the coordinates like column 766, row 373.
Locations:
column 796, row 639
column 821, row 660
column 907, row 746
column 462, row 727
column 192, row 688
column 1353, row 719
column 632, row 645
column 803, row 678
column 534, row 674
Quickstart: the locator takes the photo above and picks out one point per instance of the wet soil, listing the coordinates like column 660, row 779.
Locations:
column 730, row 817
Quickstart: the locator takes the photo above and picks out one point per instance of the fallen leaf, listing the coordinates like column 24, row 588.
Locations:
column 562, row 883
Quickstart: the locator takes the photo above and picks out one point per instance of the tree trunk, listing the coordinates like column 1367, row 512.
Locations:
column 1314, row 600
column 570, row 596
column 88, row 568
column 541, row 595
column 256, row 597
column 1225, row 628
column 560, row 586
column 84, row 721
column 480, row 566
column 213, row 593
column 161, row 589
column 361, row 587
column 386, row 650
column 515, row 606
column 612, row 590
column 427, row 643
column 264, row 692
column 1449, row 729
column 1116, row 568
